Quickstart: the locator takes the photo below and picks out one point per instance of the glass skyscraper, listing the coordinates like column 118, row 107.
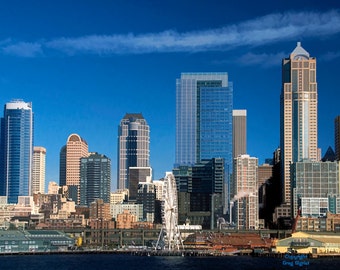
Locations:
column 133, row 146
column 95, row 178
column 204, row 103
column 16, row 150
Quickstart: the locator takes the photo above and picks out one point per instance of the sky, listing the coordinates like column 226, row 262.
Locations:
column 85, row 64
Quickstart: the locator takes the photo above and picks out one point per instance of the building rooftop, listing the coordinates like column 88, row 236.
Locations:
column 299, row 52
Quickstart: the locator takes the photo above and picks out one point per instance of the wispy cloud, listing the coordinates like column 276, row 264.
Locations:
column 259, row 31
column 23, row 49
column 263, row 59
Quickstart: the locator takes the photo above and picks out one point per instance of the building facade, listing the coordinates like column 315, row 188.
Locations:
column 298, row 118
column 16, row 146
column 132, row 208
column 70, row 155
column 147, row 197
column 204, row 103
column 133, row 146
column 314, row 184
column 239, row 132
column 138, row 175
column 38, row 170
column 95, row 178
column 245, row 203
column 201, row 192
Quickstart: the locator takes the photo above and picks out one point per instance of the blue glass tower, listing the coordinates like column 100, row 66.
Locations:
column 204, row 104
column 16, row 150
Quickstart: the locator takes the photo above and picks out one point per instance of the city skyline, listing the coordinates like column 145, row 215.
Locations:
column 84, row 65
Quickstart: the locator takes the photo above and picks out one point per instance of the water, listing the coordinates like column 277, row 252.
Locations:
column 130, row 262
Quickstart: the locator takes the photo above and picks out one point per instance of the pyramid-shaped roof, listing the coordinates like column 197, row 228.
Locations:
column 299, row 52
column 329, row 155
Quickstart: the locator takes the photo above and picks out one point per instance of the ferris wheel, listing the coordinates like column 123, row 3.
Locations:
column 170, row 233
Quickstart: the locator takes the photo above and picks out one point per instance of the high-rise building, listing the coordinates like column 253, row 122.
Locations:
column 16, row 146
column 201, row 192
column 337, row 137
column 298, row 118
column 133, row 146
column 147, row 197
column 138, row 175
column 62, row 166
column 239, row 132
column 204, row 103
column 95, row 178
column 70, row 155
column 38, row 170
column 244, row 203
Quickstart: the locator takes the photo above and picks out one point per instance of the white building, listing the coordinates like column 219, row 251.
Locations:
column 244, row 193
column 38, row 170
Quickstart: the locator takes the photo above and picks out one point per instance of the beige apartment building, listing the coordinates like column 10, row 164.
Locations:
column 38, row 170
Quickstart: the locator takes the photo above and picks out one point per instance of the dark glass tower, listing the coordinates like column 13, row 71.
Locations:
column 133, row 146
column 95, row 178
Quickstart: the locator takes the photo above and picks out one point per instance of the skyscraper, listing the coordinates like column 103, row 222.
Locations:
column 298, row 119
column 38, row 170
column 133, row 146
column 239, row 132
column 204, row 103
column 70, row 155
column 245, row 192
column 16, row 150
column 95, row 178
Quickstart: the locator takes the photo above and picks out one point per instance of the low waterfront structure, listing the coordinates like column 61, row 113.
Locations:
column 310, row 243
column 12, row 241
column 231, row 241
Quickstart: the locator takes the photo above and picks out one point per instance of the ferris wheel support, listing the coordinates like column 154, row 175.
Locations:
column 170, row 233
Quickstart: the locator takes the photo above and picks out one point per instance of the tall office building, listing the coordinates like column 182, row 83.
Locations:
column 95, row 178
column 201, row 192
column 70, row 155
column 138, row 175
column 204, row 103
column 239, row 132
column 38, row 170
column 147, row 197
column 298, row 119
column 133, row 146
column 16, row 150
column 244, row 193
column 337, row 137
column 62, row 166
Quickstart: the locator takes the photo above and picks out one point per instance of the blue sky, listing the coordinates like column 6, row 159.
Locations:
column 84, row 64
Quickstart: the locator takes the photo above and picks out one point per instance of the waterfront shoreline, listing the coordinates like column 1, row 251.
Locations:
column 177, row 253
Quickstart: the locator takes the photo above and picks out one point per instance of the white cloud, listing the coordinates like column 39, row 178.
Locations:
column 263, row 59
column 23, row 49
column 259, row 31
